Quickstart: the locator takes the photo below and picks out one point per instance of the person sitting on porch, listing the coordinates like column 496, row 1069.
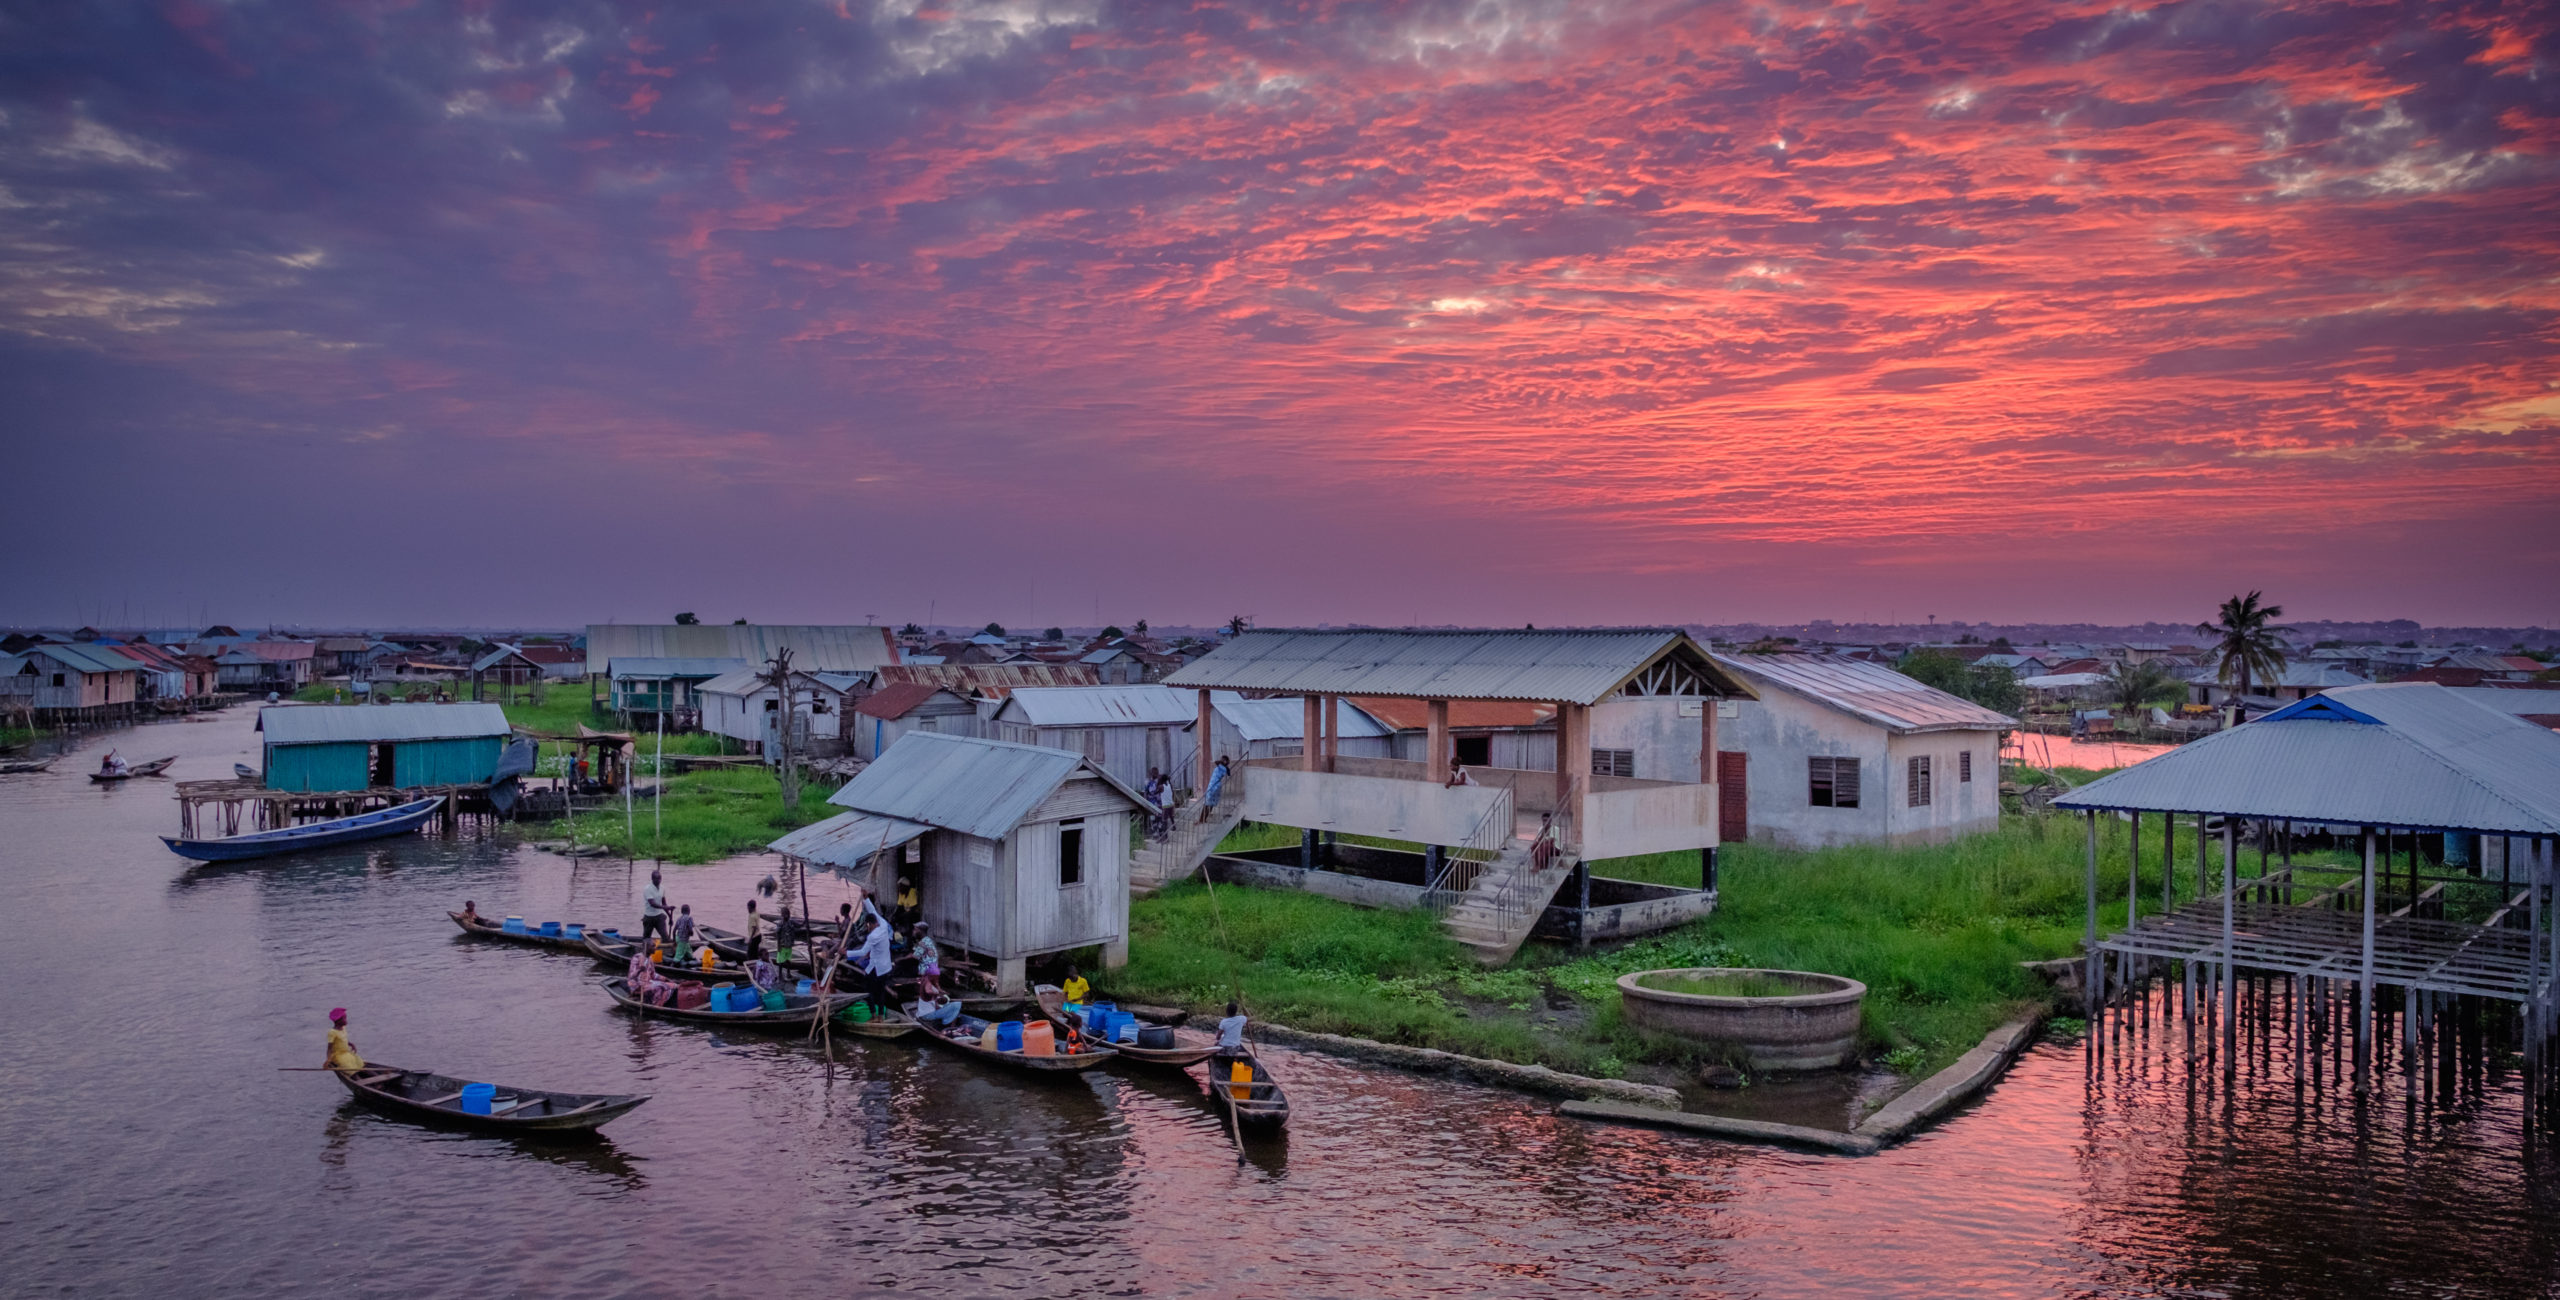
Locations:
column 1458, row 775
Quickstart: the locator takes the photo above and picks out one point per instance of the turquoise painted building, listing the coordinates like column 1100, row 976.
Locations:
column 321, row 748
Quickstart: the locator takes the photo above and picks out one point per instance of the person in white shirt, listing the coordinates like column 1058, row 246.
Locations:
column 1231, row 1032
column 871, row 960
column 653, row 909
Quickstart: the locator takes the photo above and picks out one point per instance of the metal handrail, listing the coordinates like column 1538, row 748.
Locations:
column 1190, row 842
column 1463, row 863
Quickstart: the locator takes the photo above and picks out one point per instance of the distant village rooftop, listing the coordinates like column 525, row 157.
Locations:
column 1568, row 666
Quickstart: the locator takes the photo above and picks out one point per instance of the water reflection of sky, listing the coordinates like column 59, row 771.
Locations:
column 153, row 1148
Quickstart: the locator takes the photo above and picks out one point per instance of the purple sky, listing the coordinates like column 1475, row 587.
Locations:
column 1469, row 312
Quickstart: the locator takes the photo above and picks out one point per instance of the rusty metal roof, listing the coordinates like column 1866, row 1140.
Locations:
column 899, row 700
column 1869, row 691
column 992, row 680
column 1569, row 665
column 814, row 648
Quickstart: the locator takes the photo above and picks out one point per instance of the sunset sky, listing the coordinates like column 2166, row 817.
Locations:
column 1468, row 312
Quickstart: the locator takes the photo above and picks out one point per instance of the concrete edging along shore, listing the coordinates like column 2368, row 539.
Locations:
column 1953, row 1086
column 1740, row 1130
column 1431, row 1060
column 1917, row 1105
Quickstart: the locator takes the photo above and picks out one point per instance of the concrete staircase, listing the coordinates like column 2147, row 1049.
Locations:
column 1158, row 863
column 1495, row 916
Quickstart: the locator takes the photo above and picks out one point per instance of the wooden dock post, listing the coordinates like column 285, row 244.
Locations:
column 2364, row 975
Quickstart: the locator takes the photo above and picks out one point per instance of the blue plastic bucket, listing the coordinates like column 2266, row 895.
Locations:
column 512, row 925
column 551, row 929
column 477, row 1096
column 808, row 988
column 1009, row 1036
column 577, row 931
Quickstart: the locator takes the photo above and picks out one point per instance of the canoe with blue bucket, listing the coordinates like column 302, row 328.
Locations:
column 796, row 1012
column 967, row 1033
column 571, row 935
column 492, row 1108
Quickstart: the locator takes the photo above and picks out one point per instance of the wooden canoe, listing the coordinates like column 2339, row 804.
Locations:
column 882, row 1024
column 437, row 1099
column 1259, row 1106
column 32, row 765
column 484, row 928
column 153, row 768
column 381, row 823
column 616, row 954
column 1053, row 1004
column 797, row 1012
column 965, row 1031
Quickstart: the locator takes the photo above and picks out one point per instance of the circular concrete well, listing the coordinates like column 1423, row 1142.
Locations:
column 1780, row 1020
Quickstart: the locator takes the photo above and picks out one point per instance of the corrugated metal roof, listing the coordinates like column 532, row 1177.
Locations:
column 961, row 783
column 1576, row 666
column 1286, row 718
column 2409, row 754
column 86, row 658
column 1869, row 691
column 651, row 668
column 988, row 679
column 814, row 648
column 1101, row 706
column 736, row 681
column 848, row 839
column 2521, row 703
column 899, row 699
column 281, row 651
column 318, row 724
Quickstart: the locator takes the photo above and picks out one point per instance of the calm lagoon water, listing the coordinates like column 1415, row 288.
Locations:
column 150, row 1147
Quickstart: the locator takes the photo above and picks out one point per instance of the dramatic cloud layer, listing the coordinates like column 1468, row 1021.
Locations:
column 1465, row 311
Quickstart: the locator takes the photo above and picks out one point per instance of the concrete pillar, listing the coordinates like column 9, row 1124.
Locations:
column 1311, row 734
column 1115, row 954
column 1573, row 764
column 1013, row 975
column 2364, row 973
column 1436, row 757
column 1207, row 733
column 1307, row 850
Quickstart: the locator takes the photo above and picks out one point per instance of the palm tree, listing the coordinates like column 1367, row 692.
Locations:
column 2245, row 647
column 2134, row 687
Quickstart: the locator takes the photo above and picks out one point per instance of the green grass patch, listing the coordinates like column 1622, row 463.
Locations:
column 703, row 817
column 1721, row 986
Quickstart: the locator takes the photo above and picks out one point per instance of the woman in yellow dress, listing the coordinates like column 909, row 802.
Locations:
column 342, row 1054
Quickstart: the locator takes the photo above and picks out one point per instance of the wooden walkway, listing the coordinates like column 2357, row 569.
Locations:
column 2409, row 951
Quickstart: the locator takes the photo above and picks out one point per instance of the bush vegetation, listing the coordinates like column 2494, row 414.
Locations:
column 703, row 817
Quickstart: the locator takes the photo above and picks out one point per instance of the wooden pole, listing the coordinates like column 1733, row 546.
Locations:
column 2168, row 863
column 2364, row 974
column 1436, row 742
column 1311, row 732
column 1207, row 759
column 2089, row 937
column 2230, row 984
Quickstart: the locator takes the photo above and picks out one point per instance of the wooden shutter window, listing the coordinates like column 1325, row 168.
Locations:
column 1831, row 782
column 1613, row 762
column 1964, row 767
column 1916, row 787
column 1844, row 782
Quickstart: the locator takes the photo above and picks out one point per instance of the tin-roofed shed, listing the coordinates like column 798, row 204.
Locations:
column 322, row 748
column 1016, row 851
column 1838, row 751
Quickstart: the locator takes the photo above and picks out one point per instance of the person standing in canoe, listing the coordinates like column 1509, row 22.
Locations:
column 755, row 932
column 342, row 1054
column 653, row 909
column 928, row 963
column 872, row 961
column 684, row 933
column 1077, row 988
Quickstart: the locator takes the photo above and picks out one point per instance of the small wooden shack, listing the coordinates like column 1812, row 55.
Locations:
column 881, row 718
column 1016, row 851
column 1125, row 730
column 324, row 747
column 81, row 681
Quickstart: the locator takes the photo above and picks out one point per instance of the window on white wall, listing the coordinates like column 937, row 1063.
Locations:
column 1613, row 762
column 1964, row 766
column 1916, row 787
column 1071, row 853
column 1831, row 781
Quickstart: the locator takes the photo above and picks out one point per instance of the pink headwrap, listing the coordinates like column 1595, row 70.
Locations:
column 338, row 1014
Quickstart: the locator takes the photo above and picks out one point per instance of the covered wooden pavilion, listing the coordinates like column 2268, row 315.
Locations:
column 2385, row 764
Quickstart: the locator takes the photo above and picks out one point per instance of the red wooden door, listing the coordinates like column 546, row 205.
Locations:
column 1733, row 796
